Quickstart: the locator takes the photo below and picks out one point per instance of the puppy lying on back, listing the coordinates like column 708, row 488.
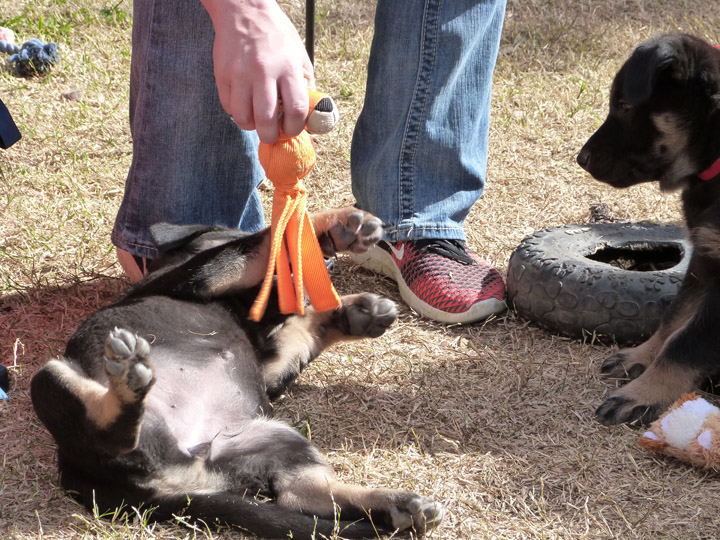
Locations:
column 664, row 126
column 161, row 400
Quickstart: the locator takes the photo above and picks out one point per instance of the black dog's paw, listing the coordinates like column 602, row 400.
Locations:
column 357, row 232
column 620, row 365
column 623, row 409
column 127, row 364
column 366, row 315
column 416, row 513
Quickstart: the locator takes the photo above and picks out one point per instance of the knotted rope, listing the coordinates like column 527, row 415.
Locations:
column 34, row 57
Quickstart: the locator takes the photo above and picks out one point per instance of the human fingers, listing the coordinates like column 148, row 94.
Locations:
column 295, row 104
column 237, row 102
column 266, row 110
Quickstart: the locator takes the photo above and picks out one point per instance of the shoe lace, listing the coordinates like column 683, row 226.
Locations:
column 452, row 249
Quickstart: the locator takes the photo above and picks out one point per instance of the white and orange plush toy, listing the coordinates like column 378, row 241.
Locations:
column 689, row 431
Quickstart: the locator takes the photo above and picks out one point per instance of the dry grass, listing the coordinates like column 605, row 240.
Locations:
column 494, row 420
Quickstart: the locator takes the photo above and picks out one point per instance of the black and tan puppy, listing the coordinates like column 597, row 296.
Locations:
column 664, row 126
column 161, row 400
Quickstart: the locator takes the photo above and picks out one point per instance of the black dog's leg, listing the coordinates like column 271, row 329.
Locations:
column 346, row 229
column 302, row 481
column 688, row 358
column 307, row 496
column 302, row 339
column 630, row 363
column 313, row 489
column 80, row 411
column 223, row 268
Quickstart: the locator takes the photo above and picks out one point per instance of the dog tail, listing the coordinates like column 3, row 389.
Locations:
column 264, row 519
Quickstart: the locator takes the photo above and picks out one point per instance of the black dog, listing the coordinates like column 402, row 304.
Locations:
column 161, row 400
column 664, row 126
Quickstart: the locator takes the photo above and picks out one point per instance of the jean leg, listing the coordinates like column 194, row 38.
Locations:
column 419, row 150
column 191, row 163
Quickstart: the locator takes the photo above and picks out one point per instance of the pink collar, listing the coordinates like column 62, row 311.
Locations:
column 711, row 172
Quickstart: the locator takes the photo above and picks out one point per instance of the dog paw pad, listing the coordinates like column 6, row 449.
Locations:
column 370, row 234
column 114, row 368
column 139, row 376
column 126, row 360
column 369, row 315
column 358, row 233
column 419, row 513
column 610, row 364
column 354, row 220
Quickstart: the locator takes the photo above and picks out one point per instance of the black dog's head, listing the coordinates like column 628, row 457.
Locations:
column 664, row 119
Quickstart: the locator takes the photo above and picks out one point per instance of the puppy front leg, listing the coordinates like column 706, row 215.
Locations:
column 631, row 362
column 234, row 266
column 81, row 413
column 301, row 339
column 346, row 229
column 688, row 358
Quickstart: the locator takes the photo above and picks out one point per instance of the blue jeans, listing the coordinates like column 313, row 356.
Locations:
column 419, row 150
column 191, row 163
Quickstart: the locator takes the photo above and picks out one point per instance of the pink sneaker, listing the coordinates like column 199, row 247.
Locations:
column 439, row 279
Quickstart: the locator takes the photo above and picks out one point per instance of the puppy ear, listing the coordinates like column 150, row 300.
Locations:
column 650, row 63
column 167, row 237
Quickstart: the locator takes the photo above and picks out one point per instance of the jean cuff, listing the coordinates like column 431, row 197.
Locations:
column 399, row 234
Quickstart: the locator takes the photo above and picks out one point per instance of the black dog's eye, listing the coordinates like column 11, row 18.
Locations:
column 662, row 149
column 624, row 106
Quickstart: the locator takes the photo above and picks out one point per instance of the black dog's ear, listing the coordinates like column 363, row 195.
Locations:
column 649, row 63
column 167, row 237
column 179, row 243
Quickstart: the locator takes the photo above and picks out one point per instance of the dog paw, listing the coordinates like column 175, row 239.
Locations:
column 623, row 409
column 357, row 232
column 417, row 513
column 127, row 363
column 620, row 365
column 366, row 315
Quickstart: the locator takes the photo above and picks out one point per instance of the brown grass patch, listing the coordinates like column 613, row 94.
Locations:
column 494, row 420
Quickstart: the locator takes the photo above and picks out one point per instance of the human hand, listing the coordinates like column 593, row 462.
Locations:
column 260, row 61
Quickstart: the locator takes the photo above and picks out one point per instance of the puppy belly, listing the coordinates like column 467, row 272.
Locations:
column 201, row 403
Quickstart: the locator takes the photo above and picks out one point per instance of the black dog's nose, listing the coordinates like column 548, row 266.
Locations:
column 583, row 158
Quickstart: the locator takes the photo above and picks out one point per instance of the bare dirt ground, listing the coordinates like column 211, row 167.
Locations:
column 494, row 420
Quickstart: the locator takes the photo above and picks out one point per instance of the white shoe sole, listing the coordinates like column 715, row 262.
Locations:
column 381, row 262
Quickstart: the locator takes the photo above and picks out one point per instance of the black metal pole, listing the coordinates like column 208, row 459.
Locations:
column 310, row 29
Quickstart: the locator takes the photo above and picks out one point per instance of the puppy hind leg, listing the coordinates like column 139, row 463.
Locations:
column 302, row 339
column 263, row 519
column 301, row 481
column 313, row 489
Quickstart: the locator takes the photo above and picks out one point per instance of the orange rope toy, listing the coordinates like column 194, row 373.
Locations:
column 295, row 253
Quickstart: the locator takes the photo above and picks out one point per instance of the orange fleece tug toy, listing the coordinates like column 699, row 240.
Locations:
column 295, row 253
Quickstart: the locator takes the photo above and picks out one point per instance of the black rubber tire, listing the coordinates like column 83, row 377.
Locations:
column 552, row 282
